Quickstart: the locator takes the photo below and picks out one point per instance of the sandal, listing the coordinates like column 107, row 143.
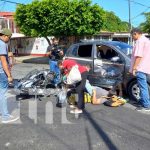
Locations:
column 114, row 98
column 119, row 100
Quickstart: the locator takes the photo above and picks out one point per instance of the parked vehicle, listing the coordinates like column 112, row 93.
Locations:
column 110, row 62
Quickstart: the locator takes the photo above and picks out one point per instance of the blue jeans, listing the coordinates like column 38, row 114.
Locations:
column 89, row 88
column 3, row 92
column 144, row 92
column 54, row 68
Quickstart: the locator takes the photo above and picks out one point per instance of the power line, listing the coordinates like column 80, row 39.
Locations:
column 147, row 7
column 141, row 13
column 138, row 3
column 11, row 2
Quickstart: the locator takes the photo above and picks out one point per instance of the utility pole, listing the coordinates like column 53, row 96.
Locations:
column 130, row 25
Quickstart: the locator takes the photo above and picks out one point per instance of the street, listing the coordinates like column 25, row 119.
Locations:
column 43, row 126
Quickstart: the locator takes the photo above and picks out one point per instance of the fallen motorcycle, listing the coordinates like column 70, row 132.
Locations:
column 36, row 83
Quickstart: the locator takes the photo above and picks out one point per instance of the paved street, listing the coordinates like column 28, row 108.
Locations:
column 42, row 126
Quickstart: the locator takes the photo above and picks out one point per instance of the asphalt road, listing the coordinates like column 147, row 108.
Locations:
column 42, row 126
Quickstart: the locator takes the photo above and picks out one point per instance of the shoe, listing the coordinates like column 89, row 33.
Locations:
column 73, row 106
column 19, row 98
column 142, row 109
column 10, row 119
column 59, row 105
column 76, row 111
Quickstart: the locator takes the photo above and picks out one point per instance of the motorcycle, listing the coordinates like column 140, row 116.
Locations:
column 36, row 83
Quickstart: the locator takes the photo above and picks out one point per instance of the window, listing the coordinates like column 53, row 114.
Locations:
column 72, row 51
column 85, row 51
column 105, row 52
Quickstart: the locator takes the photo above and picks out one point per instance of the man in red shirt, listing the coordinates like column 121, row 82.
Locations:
column 66, row 66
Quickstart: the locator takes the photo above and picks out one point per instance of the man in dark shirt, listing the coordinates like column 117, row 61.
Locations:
column 55, row 54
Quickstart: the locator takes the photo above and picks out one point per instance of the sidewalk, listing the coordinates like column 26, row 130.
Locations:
column 32, row 59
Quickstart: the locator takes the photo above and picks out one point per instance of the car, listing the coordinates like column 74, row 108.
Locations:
column 110, row 61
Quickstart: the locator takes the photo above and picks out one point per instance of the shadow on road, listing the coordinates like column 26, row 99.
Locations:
column 102, row 134
column 37, row 60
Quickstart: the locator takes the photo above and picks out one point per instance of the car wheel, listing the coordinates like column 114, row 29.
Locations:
column 134, row 91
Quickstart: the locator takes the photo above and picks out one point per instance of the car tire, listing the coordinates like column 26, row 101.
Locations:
column 134, row 91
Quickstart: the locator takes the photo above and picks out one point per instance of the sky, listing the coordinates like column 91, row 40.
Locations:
column 119, row 7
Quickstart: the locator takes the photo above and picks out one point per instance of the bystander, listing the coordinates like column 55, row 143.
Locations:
column 5, row 75
column 140, row 66
column 55, row 54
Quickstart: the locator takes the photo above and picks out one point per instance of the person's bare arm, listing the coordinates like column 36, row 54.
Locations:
column 6, row 67
column 11, row 59
column 136, row 63
column 95, row 101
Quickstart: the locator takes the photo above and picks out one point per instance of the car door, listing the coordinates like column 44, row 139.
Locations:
column 108, row 66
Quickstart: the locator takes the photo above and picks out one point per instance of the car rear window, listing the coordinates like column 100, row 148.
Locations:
column 85, row 51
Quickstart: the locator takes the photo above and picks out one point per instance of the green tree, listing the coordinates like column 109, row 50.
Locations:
column 124, row 27
column 145, row 26
column 114, row 24
column 59, row 18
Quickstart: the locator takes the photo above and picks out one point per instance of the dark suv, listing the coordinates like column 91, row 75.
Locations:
column 110, row 61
